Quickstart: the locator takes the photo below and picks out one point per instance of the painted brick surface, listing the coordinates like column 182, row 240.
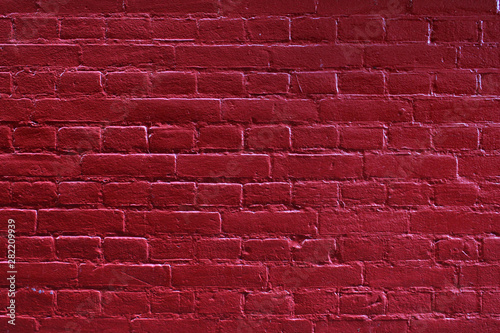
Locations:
column 251, row 165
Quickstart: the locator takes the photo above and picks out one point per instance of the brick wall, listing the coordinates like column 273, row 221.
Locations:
column 251, row 165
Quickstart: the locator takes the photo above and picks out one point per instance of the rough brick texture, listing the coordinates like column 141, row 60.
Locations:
column 251, row 165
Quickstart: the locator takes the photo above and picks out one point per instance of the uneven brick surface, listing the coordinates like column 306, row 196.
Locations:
column 251, row 165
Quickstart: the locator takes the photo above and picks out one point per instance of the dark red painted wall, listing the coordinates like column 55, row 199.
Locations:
column 251, row 165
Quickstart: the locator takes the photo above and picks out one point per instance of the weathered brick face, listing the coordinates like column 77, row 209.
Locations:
column 251, row 165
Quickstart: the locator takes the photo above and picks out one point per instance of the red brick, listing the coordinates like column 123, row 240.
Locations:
column 478, row 166
column 410, row 56
column 363, row 194
column 340, row 7
column 316, row 302
column 5, row 82
column 124, row 303
column 413, row 276
column 219, row 194
column 315, row 194
column 344, row 221
column 221, row 137
column 280, row 7
column 491, row 31
column 490, row 84
column 491, row 138
column 278, row 303
column 409, row 248
column 266, row 193
column 121, row 275
column 174, row 29
column 315, row 137
column 79, row 28
column 490, row 194
column 121, row 28
column 459, row 7
column 409, row 302
column 363, row 303
column 317, row 166
column 171, row 194
column 315, row 57
column 78, row 247
column 458, row 30
column 267, row 83
column 39, row 83
column 450, row 221
column 408, row 83
column 79, row 138
column 154, row 222
column 480, row 276
column 457, row 249
column 172, row 110
column 362, row 138
column 172, row 302
column 174, row 325
column 230, row 276
column 36, row 27
column 314, row 83
column 268, row 29
column 230, row 166
column 457, row 302
column 479, row 57
column 408, row 166
column 79, row 193
column 409, row 137
column 166, row 83
column 218, row 248
column 456, row 83
column 266, row 110
column 126, row 194
column 174, row 6
column 153, row 165
column 165, row 139
column 60, row 324
column 35, row 194
column 126, row 55
column 5, row 29
column 125, row 139
column 400, row 30
column 5, row 138
column 84, row 303
column 314, row 251
column 90, row 221
column 268, row 137
column 171, row 249
column 221, row 30
column 283, row 222
column 40, row 55
column 491, row 303
column 314, row 29
column 36, row 165
column 35, row 138
column 38, row 248
column 364, row 110
column 354, row 249
column 221, row 302
column 266, row 250
column 222, row 56
column 35, row 302
column 491, row 248
column 25, row 220
column 316, row 277
column 132, row 83
column 5, row 193
column 456, row 194
column 361, row 29
column 221, row 84
column 79, row 83
column 47, row 274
